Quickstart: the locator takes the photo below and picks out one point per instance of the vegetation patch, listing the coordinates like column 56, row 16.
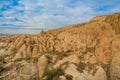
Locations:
column 54, row 74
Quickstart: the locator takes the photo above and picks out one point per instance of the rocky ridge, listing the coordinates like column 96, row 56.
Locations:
column 87, row 51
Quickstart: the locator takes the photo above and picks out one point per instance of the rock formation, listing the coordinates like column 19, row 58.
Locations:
column 87, row 51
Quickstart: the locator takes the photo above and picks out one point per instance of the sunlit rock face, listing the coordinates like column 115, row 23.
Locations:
column 88, row 51
column 104, row 51
column 113, row 20
column 115, row 64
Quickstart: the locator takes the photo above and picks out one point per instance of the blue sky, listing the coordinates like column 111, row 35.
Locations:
column 31, row 16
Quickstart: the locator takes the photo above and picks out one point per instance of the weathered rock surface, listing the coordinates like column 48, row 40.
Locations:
column 115, row 64
column 97, row 73
column 88, row 51
column 42, row 65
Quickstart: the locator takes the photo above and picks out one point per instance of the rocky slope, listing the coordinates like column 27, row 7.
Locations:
column 88, row 51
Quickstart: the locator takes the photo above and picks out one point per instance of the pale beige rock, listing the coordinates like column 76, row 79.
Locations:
column 89, row 58
column 35, row 51
column 99, row 75
column 71, row 59
column 28, row 52
column 23, row 50
column 115, row 64
column 12, row 48
column 71, row 70
column 103, row 51
column 4, row 53
column 29, row 71
column 115, row 67
column 62, row 78
column 1, row 44
column 42, row 65
column 57, row 48
column 19, row 44
column 18, row 56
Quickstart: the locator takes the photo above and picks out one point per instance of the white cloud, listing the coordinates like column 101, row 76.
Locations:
column 46, row 14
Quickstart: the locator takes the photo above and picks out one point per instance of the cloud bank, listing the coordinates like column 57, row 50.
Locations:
column 31, row 16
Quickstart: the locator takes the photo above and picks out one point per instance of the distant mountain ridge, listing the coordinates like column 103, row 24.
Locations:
column 1, row 34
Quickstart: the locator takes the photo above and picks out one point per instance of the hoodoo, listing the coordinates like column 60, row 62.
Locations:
column 88, row 51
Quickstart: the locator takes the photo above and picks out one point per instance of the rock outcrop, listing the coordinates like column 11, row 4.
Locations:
column 88, row 51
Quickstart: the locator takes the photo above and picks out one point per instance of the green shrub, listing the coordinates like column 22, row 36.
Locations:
column 54, row 74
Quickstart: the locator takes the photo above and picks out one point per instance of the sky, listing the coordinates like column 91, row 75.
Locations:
column 32, row 16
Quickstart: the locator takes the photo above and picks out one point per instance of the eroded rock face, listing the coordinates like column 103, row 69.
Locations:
column 103, row 51
column 97, row 73
column 29, row 71
column 115, row 67
column 88, row 51
column 22, row 70
column 42, row 65
column 111, row 19
column 115, row 64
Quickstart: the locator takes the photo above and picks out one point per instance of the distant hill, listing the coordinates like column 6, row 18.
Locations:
column 6, row 34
